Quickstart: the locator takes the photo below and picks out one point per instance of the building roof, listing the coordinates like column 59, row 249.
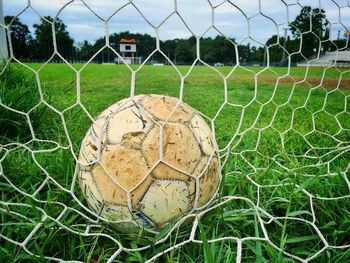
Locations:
column 127, row 41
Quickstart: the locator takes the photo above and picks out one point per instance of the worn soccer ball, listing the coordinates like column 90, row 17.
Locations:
column 148, row 161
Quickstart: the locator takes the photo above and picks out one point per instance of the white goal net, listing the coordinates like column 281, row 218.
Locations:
column 281, row 120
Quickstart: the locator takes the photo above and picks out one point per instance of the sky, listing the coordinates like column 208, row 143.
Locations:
column 259, row 19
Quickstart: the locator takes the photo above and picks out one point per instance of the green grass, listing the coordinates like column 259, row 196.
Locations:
column 103, row 85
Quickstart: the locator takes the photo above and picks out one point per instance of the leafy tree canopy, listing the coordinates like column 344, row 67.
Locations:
column 310, row 27
column 42, row 45
column 20, row 36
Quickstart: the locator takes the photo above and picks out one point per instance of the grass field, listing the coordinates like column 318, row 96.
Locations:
column 283, row 151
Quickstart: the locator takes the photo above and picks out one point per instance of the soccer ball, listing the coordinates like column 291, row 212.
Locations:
column 148, row 161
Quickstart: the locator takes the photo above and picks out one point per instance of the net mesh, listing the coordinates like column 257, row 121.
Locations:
column 284, row 149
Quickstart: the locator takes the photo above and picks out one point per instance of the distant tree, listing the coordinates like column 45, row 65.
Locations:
column 227, row 51
column 257, row 55
column 145, row 43
column 42, row 45
column 210, row 52
column 185, row 51
column 20, row 37
column 343, row 42
column 85, row 50
column 275, row 51
column 339, row 44
column 244, row 53
column 309, row 27
column 218, row 49
column 168, row 48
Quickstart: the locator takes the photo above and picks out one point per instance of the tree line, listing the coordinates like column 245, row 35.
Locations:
column 39, row 46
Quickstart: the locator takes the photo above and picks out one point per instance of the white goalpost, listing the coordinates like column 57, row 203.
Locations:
column 283, row 137
column 3, row 42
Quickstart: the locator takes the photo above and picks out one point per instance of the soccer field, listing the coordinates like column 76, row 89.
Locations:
column 284, row 140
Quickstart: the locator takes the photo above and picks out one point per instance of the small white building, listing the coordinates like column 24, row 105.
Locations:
column 127, row 49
